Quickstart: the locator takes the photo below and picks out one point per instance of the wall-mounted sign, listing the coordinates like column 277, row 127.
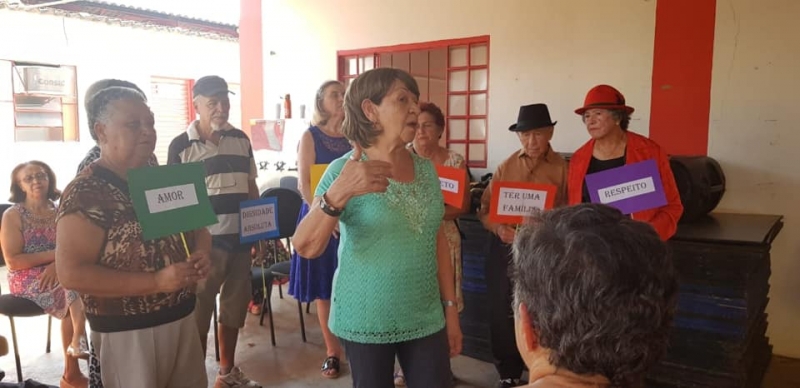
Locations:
column 47, row 80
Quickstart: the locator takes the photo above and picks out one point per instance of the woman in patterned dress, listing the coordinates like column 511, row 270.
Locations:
column 426, row 144
column 312, row 280
column 28, row 238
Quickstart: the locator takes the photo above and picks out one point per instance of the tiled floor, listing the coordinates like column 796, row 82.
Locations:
column 290, row 364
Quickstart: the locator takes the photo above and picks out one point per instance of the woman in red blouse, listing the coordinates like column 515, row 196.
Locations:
column 606, row 118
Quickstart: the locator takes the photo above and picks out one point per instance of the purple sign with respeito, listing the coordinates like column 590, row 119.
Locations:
column 631, row 188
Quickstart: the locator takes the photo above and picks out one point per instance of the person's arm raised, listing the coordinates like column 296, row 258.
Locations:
column 356, row 178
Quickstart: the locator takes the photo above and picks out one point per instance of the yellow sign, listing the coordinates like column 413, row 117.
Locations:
column 317, row 170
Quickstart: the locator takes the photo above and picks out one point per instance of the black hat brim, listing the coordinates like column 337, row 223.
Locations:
column 517, row 128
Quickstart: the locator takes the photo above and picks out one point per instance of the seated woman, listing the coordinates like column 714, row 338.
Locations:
column 28, row 239
column 606, row 118
column 594, row 297
column 393, row 291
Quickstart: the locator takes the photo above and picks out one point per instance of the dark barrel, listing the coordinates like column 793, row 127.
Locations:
column 701, row 184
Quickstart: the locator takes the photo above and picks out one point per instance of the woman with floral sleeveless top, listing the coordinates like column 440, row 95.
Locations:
column 312, row 280
column 28, row 240
column 393, row 292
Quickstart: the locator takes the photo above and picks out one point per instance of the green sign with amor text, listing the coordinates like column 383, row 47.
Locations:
column 170, row 199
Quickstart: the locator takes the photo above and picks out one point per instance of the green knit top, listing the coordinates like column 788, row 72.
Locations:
column 385, row 289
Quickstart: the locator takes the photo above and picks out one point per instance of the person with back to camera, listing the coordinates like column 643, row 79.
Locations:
column 594, row 297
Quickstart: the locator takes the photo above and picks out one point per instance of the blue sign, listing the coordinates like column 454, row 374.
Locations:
column 258, row 220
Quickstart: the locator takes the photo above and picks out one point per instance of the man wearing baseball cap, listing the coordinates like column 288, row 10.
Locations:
column 535, row 162
column 230, row 168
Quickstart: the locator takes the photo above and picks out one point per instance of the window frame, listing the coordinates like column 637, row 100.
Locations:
column 70, row 111
column 187, row 85
column 375, row 53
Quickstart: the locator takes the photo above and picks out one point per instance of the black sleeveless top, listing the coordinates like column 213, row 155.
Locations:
column 597, row 165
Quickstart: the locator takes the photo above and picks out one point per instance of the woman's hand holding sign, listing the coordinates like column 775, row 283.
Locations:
column 176, row 276
column 359, row 178
column 184, row 274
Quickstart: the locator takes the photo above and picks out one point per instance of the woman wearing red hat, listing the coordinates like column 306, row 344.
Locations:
column 606, row 118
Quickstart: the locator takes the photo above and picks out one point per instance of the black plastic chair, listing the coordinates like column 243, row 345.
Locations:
column 16, row 307
column 289, row 182
column 289, row 204
column 216, row 332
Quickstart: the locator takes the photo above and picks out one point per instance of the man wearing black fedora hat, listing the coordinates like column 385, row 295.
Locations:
column 535, row 162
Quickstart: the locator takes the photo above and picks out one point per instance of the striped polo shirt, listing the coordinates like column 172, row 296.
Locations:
column 229, row 168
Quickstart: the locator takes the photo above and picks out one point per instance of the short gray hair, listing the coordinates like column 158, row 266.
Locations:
column 321, row 116
column 600, row 289
column 100, row 85
column 98, row 108
column 371, row 85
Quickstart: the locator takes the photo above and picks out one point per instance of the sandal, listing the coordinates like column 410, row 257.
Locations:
column 81, row 352
column 83, row 382
column 399, row 379
column 331, row 367
column 254, row 308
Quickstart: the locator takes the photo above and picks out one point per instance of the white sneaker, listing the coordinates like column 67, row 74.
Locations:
column 235, row 379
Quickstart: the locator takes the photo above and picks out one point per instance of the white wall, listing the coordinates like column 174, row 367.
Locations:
column 754, row 134
column 554, row 51
column 540, row 51
column 98, row 50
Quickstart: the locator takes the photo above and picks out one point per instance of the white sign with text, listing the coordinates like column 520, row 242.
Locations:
column 170, row 198
column 626, row 190
column 449, row 185
column 520, row 202
column 258, row 220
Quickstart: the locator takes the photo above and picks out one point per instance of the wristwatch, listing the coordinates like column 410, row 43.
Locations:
column 328, row 209
column 448, row 303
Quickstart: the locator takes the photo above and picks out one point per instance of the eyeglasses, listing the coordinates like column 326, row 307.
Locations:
column 36, row 177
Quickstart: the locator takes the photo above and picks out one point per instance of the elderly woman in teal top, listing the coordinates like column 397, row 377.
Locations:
column 393, row 292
